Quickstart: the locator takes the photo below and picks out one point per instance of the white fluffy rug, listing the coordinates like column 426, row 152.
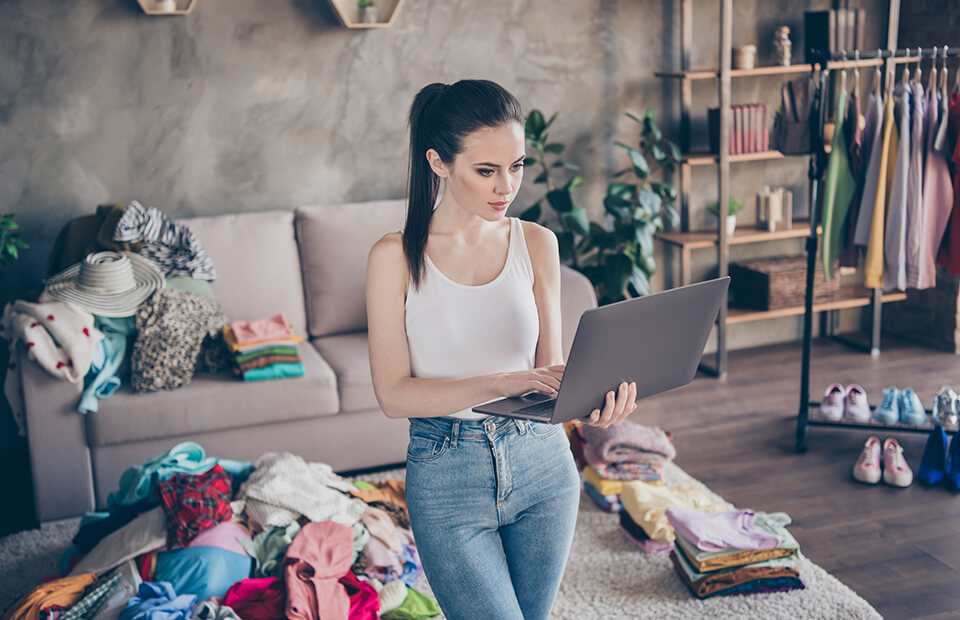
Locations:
column 606, row 576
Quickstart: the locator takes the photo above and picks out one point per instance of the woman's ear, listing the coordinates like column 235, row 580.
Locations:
column 436, row 164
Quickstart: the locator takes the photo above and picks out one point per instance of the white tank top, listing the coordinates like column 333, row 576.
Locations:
column 456, row 331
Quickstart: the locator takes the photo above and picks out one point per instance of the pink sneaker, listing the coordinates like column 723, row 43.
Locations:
column 896, row 472
column 867, row 469
column 855, row 405
column 832, row 404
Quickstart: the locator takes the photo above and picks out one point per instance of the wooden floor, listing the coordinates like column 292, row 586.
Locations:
column 897, row 548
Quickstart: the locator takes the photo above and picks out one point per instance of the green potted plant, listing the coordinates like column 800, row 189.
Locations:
column 733, row 207
column 368, row 12
column 618, row 261
column 10, row 242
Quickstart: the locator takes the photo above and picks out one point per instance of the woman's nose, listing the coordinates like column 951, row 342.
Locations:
column 503, row 187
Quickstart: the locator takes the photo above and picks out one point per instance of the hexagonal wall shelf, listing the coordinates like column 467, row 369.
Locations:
column 348, row 11
column 166, row 7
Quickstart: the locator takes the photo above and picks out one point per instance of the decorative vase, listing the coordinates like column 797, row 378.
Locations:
column 368, row 14
column 744, row 56
column 731, row 224
column 167, row 6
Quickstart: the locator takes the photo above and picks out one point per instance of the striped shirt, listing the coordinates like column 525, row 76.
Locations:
column 172, row 246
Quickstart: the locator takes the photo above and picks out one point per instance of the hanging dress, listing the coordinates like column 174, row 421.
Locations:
column 873, row 267
column 950, row 246
column 913, row 231
column 838, row 191
column 937, row 187
column 894, row 244
column 854, row 135
column 872, row 155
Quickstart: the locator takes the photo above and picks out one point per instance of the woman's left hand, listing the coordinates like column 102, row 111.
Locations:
column 617, row 406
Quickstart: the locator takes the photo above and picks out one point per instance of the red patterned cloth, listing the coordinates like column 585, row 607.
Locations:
column 257, row 599
column 364, row 601
column 194, row 503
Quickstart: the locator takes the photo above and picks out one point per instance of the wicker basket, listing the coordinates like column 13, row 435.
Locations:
column 778, row 282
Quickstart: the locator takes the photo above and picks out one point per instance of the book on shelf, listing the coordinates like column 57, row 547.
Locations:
column 833, row 31
column 749, row 132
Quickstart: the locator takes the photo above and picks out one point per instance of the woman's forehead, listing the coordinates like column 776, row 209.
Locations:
column 504, row 141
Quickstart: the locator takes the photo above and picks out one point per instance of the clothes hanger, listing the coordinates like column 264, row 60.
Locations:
column 905, row 79
column 916, row 74
column 856, row 73
column 932, row 83
column 877, row 75
column 943, row 72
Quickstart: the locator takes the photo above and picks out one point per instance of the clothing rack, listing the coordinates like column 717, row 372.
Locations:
column 818, row 164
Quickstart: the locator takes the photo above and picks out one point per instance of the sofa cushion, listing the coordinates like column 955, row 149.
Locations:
column 213, row 402
column 350, row 359
column 258, row 268
column 334, row 243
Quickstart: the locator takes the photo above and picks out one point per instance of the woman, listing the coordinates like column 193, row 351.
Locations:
column 463, row 307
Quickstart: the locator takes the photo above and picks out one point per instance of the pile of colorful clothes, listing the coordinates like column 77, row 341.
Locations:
column 733, row 551
column 264, row 349
column 611, row 457
column 192, row 537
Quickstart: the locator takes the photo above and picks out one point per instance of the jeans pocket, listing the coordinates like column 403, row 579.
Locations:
column 423, row 448
column 542, row 429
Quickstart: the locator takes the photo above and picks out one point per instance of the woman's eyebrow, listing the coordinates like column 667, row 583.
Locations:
column 488, row 164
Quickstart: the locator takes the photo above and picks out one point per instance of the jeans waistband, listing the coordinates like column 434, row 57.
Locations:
column 457, row 429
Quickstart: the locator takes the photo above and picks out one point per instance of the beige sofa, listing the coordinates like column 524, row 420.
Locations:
column 308, row 263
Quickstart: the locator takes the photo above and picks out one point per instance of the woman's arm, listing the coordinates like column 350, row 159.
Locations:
column 399, row 394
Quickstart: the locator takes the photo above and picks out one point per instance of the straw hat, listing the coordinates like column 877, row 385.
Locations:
column 111, row 284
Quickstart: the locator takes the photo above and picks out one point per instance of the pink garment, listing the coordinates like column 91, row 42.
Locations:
column 256, row 599
column 719, row 531
column 381, row 526
column 378, row 555
column 364, row 601
column 318, row 557
column 627, row 442
column 937, row 188
column 274, row 328
column 223, row 535
column 652, row 547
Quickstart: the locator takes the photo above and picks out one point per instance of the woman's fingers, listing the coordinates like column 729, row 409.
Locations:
column 617, row 406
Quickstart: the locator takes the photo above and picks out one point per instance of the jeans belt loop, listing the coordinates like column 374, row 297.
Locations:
column 454, row 433
column 522, row 426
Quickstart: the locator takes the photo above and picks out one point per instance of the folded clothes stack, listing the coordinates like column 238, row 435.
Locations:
column 644, row 517
column 611, row 457
column 264, row 349
column 733, row 551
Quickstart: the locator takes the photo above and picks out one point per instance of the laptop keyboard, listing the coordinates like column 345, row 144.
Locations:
column 543, row 409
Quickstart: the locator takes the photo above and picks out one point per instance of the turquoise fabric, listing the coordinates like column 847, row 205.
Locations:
column 102, row 380
column 276, row 371
column 839, row 188
column 192, row 285
column 136, row 483
column 268, row 549
column 202, row 571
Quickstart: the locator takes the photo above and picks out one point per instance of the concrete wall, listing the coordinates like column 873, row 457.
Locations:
column 247, row 105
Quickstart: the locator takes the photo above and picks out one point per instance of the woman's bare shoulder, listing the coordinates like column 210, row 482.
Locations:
column 387, row 259
column 541, row 242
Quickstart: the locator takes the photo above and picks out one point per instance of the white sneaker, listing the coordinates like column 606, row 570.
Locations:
column 832, row 404
column 855, row 404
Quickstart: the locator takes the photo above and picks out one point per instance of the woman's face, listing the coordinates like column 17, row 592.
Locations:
column 485, row 177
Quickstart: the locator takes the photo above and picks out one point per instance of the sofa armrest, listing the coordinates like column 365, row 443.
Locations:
column 576, row 296
column 56, row 436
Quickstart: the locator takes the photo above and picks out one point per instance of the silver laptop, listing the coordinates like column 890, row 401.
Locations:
column 657, row 341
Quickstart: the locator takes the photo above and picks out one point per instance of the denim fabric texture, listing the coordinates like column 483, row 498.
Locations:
column 493, row 504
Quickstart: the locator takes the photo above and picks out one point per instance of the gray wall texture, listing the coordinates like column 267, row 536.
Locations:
column 248, row 105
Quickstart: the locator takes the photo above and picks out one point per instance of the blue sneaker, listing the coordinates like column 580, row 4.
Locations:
column 953, row 464
column 888, row 411
column 911, row 409
column 933, row 465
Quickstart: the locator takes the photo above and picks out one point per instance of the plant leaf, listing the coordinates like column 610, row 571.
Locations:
column 617, row 271
column 550, row 122
column 560, row 200
column 643, row 234
column 640, row 166
column 650, row 125
column 534, row 125
column 650, row 202
column 530, row 161
column 554, row 147
column 575, row 182
column 565, row 243
column 8, row 224
column 674, row 151
column 12, row 251
column 541, row 178
column 577, row 220
column 623, row 191
column 639, row 281
column 532, row 214
column 633, row 117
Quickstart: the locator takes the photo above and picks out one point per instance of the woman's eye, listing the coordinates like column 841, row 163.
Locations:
column 518, row 167
column 485, row 172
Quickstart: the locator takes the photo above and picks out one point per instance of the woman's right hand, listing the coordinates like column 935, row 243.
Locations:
column 545, row 379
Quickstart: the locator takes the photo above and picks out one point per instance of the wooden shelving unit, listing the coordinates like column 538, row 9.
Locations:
column 849, row 298
column 152, row 7
column 348, row 12
column 688, row 242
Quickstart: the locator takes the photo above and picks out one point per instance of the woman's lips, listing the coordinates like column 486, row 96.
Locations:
column 499, row 206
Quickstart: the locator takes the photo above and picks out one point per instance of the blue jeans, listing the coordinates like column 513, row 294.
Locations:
column 493, row 505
